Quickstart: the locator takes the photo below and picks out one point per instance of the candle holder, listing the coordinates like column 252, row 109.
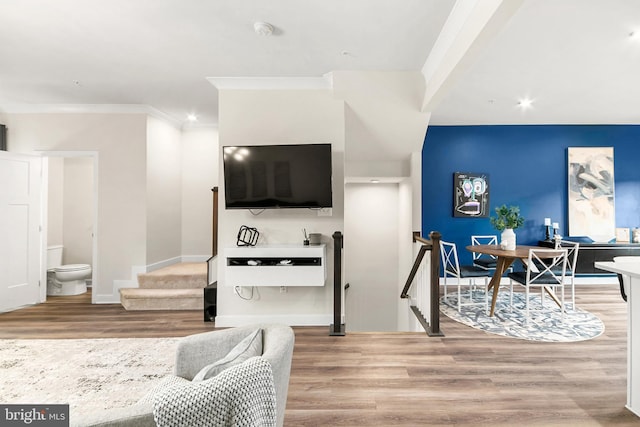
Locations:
column 547, row 227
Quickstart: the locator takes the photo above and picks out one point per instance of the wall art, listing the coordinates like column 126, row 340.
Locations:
column 591, row 193
column 470, row 195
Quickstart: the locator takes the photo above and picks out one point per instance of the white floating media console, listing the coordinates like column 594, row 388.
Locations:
column 275, row 265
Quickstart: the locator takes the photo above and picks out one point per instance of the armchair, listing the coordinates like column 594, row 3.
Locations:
column 197, row 351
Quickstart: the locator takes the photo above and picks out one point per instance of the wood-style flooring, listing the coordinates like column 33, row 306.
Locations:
column 468, row 377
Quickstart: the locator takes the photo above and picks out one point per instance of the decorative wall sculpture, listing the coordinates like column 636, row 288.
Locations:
column 591, row 193
column 470, row 194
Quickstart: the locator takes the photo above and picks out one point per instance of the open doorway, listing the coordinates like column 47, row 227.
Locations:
column 71, row 213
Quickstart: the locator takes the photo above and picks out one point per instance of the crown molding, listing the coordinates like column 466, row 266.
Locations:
column 90, row 109
column 324, row 82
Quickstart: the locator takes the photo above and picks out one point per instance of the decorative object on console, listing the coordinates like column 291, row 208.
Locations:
column 623, row 235
column 247, row 236
column 470, row 195
column 315, row 238
column 547, row 227
column 506, row 220
column 556, row 227
column 591, row 193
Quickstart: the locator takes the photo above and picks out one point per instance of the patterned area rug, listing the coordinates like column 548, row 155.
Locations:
column 545, row 324
column 88, row 374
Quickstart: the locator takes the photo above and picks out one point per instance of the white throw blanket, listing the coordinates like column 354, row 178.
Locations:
column 243, row 396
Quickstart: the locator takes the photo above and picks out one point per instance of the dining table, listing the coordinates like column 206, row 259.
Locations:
column 504, row 259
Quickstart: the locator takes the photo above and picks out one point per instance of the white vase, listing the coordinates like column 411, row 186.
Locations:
column 508, row 239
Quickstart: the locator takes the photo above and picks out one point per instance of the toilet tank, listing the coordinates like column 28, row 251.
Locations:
column 54, row 256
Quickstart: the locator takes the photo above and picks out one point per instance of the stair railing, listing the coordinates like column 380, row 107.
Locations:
column 426, row 276
column 214, row 234
column 337, row 328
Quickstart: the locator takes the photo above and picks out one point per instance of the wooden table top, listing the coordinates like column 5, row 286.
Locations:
column 521, row 251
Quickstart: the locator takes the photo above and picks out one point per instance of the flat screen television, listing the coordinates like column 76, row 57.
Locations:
column 277, row 176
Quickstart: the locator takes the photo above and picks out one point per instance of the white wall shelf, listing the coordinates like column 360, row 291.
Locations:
column 275, row 265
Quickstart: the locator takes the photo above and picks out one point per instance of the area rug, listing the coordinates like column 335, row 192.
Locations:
column 545, row 324
column 88, row 374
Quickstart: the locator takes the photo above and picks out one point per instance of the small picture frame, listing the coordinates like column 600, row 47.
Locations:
column 623, row 235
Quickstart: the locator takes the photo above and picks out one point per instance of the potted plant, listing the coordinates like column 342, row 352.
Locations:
column 506, row 220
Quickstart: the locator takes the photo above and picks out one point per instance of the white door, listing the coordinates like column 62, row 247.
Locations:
column 371, row 227
column 20, row 213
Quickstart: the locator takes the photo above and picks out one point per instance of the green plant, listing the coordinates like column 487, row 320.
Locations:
column 507, row 217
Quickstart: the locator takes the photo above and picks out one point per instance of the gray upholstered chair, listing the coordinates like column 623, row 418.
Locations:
column 197, row 351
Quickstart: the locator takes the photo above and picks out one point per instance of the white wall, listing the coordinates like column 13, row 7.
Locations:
column 77, row 210
column 164, row 193
column 385, row 132
column 120, row 140
column 251, row 117
column 55, row 195
column 199, row 176
column 384, row 123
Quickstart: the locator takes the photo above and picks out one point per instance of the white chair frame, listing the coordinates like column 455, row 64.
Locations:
column 483, row 240
column 572, row 259
column 462, row 276
column 546, row 268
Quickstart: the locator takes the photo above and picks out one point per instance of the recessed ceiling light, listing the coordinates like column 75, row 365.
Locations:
column 192, row 118
column 375, row 181
column 263, row 28
column 525, row 103
column 634, row 35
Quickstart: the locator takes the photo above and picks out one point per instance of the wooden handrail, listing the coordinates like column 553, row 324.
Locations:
column 214, row 244
column 433, row 245
column 214, row 232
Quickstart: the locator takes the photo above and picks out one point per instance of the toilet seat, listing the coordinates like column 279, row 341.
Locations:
column 71, row 267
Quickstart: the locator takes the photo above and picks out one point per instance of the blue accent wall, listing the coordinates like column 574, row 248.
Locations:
column 527, row 166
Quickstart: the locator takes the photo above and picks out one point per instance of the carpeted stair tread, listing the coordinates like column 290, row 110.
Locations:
column 161, row 293
column 192, row 275
column 176, row 287
column 161, row 299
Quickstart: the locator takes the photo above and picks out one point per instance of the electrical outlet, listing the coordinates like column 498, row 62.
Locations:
column 325, row 212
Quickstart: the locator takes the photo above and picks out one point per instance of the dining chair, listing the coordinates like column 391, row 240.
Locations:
column 486, row 261
column 546, row 268
column 489, row 262
column 572, row 259
column 462, row 275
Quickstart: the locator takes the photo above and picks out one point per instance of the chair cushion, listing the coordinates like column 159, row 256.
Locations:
column 485, row 263
column 543, row 279
column 250, row 346
column 472, row 271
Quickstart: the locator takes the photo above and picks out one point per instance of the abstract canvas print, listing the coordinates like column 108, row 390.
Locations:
column 470, row 194
column 591, row 193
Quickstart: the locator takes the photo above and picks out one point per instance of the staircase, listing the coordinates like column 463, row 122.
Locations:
column 176, row 287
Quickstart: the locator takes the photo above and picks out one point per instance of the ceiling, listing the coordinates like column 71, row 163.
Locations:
column 573, row 58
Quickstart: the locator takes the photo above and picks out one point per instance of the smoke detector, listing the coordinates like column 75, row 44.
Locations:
column 263, row 28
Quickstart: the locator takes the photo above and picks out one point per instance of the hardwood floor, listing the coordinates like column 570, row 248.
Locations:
column 467, row 377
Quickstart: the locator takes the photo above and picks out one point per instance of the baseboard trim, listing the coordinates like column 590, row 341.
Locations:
column 286, row 319
column 195, row 258
column 580, row 280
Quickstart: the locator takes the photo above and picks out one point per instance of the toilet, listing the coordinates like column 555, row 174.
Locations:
column 70, row 279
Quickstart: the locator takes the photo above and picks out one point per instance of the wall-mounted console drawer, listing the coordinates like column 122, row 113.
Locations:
column 275, row 265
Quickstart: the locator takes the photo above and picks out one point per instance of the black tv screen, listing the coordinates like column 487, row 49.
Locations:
column 277, row 176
